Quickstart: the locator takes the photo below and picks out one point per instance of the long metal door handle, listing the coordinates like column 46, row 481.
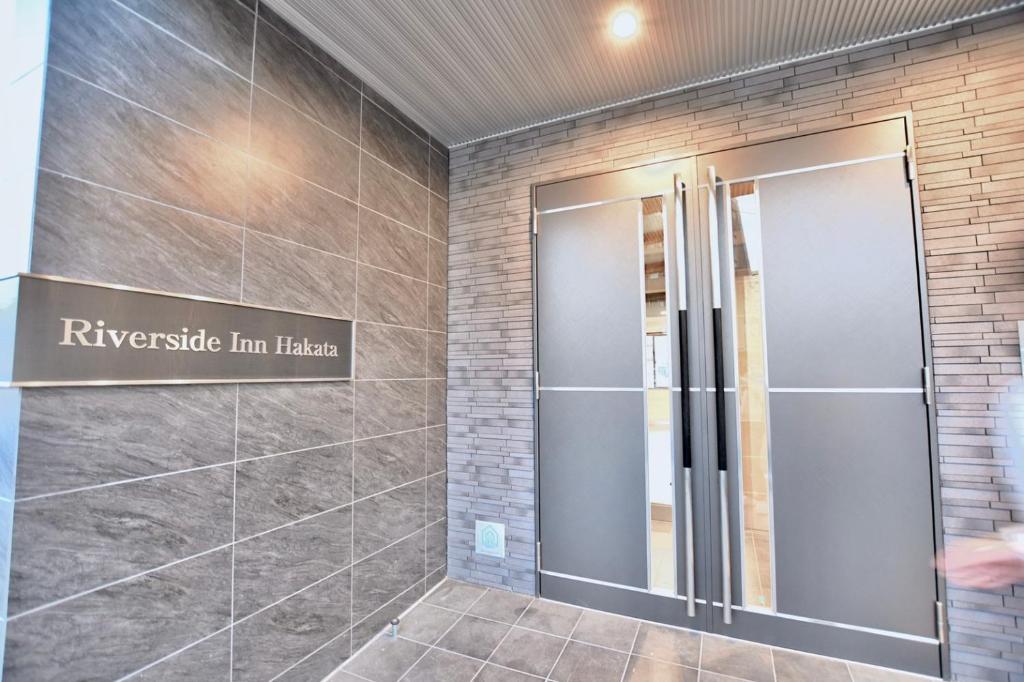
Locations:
column 684, row 382
column 720, row 435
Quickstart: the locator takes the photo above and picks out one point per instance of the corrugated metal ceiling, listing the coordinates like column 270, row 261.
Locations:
column 469, row 69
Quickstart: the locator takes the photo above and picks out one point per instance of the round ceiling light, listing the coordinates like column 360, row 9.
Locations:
column 624, row 24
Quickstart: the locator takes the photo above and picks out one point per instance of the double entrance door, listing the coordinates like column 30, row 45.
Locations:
column 734, row 422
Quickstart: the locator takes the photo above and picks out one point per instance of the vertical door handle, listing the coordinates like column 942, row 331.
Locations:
column 684, row 394
column 716, row 325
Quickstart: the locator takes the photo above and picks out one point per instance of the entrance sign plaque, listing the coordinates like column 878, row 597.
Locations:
column 70, row 333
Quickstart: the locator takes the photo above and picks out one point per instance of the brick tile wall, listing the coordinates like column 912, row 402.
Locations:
column 965, row 87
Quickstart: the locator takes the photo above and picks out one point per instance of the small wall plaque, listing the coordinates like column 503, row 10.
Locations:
column 60, row 332
column 490, row 539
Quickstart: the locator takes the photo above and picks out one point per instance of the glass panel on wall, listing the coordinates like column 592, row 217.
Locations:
column 657, row 381
column 752, row 395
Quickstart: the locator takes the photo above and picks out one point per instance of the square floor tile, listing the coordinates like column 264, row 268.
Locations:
column 649, row 670
column 427, row 623
column 474, row 637
column 604, row 629
column 529, row 651
column 501, row 605
column 443, row 666
column 494, row 673
column 739, row 659
column 681, row 647
column 791, row 666
column 547, row 616
column 452, row 594
column 385, row 659
column 584, row 663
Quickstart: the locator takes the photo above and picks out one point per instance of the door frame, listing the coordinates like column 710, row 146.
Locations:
column 906, row 118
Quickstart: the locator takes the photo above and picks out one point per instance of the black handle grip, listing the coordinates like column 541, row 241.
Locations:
column 684, row 382
column 716, row 324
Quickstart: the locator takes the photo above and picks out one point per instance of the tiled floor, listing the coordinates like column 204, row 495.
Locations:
column 461, row 632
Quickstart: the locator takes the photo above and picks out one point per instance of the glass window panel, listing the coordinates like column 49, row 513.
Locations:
column 657, row 380
column 752, row 396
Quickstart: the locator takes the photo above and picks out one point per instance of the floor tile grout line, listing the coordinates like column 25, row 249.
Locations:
column 472, row 658
column 445, row 633
column 542, row 632
column 565, row 646
column 367, row 643
column 632, row 648
column 511, row 628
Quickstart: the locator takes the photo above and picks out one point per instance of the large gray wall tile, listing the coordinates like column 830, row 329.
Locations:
column 218, row 28
column 280, row 274
column 386, row 352
column 93, row 135
column 75, row 437
column 437, row 546
column 388, row 461
column 91, row 233
column 168, row 194
column 117, row 630
column 437, row 449
column 385, row 575
column 68, row 543
column 438, row 263
column 390, row 141
column 437, row 390
column 382, row 102
column 276, row 418
column 309, row 86
column 308, row 46
column 439, row 173
column 108, row 45
column 387, row 517
column 381, row 618
column 392, row 246
column 437, row 492
column 391, row 299
column 276, row 490
column 209, row 660
column 289, row 139
column 280, row 636
column 321, row 662
column 387, row 191
column 272, row 566
column 287, row 206
column 437, row 308
column 388, row 406
column 438, row 218
column 437, row 355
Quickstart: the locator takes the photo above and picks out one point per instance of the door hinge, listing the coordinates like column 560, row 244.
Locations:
column 536, row 219
column 910, row 163
column 926, row 382
column 538, row 555
column 940, row 621
column 536, row 386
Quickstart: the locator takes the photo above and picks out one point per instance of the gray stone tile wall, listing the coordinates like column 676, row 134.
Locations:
column 965, row 88
column 249, row 532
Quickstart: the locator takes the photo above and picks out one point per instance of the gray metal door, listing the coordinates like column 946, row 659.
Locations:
column 818, row 399
column 796, row 504
column 616, row 489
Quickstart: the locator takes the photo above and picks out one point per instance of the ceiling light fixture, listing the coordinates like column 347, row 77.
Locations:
column 624, row 24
